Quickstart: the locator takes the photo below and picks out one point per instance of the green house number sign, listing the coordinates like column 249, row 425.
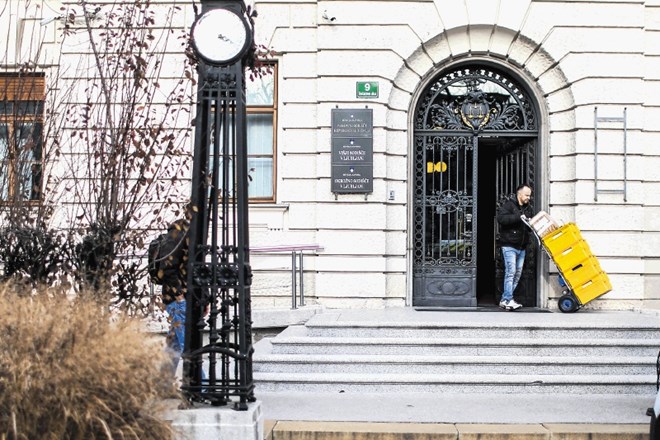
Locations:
column 367, row 89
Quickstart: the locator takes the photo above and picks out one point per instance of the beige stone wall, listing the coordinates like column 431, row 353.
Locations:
column 573, row 55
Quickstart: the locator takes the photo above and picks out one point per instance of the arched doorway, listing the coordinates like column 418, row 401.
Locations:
column 475, row 140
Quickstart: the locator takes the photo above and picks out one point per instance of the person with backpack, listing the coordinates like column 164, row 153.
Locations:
column 168, row 266
column 172, row 261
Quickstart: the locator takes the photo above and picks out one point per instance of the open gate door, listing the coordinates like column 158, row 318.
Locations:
column 513, row 167
column 461, row 108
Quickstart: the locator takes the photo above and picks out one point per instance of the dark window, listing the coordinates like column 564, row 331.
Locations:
column 261, row 99
column 21, row 131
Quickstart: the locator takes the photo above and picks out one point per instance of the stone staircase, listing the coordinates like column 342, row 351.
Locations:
column 406, row 351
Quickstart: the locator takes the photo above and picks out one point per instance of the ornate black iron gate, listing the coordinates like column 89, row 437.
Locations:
column 444, row 220
column 457, row 110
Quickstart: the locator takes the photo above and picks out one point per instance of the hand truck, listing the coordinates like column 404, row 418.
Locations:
column 580, row 274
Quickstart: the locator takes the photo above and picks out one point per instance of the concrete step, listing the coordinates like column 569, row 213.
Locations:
column 393, row 364
column 465, row 346
column 452, row 408
column 504, row 330
column 455, row 383
column 403, row 350
column 318, row 430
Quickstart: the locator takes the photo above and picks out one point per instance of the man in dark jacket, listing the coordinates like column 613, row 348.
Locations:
column 514, row 236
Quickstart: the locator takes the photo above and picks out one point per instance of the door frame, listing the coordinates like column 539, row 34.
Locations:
column 505, row 151
column 541, row 183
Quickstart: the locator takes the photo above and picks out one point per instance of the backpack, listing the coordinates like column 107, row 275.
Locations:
column 165, row 254
column 154, row 258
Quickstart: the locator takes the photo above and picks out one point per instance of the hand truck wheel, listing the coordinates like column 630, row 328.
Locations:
column 567, row 303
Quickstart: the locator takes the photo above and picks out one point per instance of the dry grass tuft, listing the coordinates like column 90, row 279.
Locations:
column 69, row 372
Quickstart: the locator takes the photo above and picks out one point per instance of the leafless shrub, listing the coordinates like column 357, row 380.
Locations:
column 69, row 371
column 106, row 157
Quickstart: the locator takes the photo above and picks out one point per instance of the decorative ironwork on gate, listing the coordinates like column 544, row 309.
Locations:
column 476, row 99
column 444, row 195
column 454, row 110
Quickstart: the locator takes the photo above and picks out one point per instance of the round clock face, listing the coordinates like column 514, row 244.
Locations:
column 220, row 36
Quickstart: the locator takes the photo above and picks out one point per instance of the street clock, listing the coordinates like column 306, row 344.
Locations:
column 221, row 36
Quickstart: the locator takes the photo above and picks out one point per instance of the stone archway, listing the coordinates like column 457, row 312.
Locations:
column 467, row 111
column 506, row 48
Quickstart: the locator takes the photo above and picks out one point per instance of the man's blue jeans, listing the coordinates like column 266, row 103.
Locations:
column 513, row 264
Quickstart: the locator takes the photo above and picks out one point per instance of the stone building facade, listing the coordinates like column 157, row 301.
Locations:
column 464, row 101
column 575, row 61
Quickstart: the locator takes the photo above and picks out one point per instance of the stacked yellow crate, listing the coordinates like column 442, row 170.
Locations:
column 579, row 267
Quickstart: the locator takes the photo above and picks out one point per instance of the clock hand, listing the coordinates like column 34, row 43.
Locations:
column 223, row 38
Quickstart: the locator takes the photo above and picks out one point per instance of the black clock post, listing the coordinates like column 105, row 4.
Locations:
column 218, row 342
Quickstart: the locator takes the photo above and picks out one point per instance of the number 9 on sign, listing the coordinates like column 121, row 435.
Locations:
column 367, row 89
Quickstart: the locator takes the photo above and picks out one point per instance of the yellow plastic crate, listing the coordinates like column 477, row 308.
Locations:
column 593, row 288
column 583, row 272
column 562, row 239
column 572, row 256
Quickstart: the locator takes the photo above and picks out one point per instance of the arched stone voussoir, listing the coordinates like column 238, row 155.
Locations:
column 499, row 45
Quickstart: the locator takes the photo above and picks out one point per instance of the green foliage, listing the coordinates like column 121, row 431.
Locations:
column 70, row 371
